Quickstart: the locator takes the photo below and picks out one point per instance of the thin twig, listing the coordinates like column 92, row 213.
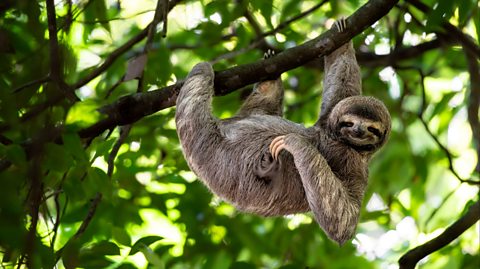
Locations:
column 434, row 137
column 32, row 83
column 124, row 131
column 91, row 211
column 450, row 29
column 161, row 11
column 286, row 23
column 437, row 208
column 116, row 18
column 56, row 199
column 34, row 200
column 233, row 54
column 113, row 56
column 116, row 53
column 56, row 64
column 165, row 17
column 413, row 256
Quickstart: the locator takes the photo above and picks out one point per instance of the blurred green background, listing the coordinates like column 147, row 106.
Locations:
column 61, row 207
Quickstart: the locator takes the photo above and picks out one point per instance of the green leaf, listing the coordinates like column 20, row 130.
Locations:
column 142, row 242
column 151, row 257
column 242, row 265
column 57, row 158
column 122, row 236
column 74, row 146
column 92, row 256
column 290, row 9
column 440, row 106
column 265, row 7
column 97, row 11
column 441, row 13
column 94, row 261
column 70, row 254
column 16, row 154
column 291, row 266
column 104, row 248
column 476, row 22
column 98, row 181
column 103, row 148
column 156, row 73
column 465, row 7
column 83, row 113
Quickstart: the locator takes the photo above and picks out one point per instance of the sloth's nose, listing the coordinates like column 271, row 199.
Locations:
column 359, row 130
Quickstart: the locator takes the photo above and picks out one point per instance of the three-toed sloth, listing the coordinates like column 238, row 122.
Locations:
column 267, row 165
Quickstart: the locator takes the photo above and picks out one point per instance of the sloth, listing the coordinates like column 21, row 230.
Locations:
column 267, row 165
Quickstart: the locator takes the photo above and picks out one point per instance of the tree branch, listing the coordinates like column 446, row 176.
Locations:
column 401, row 53
column 447, row 152
column 286, row 23
column 91, row 211
column 121, row 50
column 32, row 83
column 131, row 108
column 160, row 13
column 113, row 56
column 56, row 65
column 473, row 104
column 411, row 258
column 450, row 29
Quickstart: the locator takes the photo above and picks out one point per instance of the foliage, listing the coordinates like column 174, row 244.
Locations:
column 126, row 198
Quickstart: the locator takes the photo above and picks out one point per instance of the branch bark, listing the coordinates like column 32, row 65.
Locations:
column 133, row 107
column 56, row 65
column 473, row 104
column 411, row 258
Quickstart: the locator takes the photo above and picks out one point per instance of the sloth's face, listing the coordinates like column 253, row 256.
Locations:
column 360, row 132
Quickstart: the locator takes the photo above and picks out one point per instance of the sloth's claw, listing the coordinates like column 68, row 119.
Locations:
column 278, row 143
column 341, row 24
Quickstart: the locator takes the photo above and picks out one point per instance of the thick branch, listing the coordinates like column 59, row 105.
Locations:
column 410, row 259
column 474, row 101
column 133, row 107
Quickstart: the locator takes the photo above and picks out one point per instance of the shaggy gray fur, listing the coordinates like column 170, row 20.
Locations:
column 320, row 169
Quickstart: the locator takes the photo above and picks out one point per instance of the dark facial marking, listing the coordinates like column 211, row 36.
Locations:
column 364, row 112
column 375, row 131
column 346, row 124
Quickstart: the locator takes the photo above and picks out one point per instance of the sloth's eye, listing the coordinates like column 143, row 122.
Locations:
column 346, row 124
column 374, row 131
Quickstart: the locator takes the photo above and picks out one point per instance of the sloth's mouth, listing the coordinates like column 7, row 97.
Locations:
column 359, row 144
column 360, row 141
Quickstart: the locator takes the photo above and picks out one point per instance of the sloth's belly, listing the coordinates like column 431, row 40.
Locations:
column 244, row 143
column 258, row 126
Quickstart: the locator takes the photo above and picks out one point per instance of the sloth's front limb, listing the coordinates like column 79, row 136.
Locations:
column 342, row 76
column 197, row 128
column 194, row 101
column 335, row 210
